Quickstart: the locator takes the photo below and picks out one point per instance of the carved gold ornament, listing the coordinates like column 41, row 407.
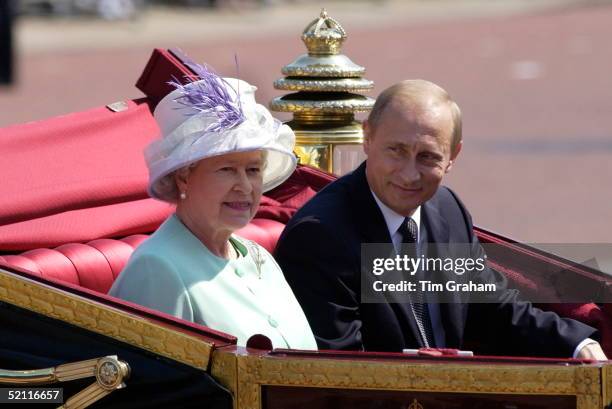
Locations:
column 584, row 382
column 607, row 386
column 324, row 35
column 325, row 85
column 109, row 372
column 97, row 317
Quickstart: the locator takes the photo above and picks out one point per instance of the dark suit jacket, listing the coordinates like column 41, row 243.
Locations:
column 319, row 253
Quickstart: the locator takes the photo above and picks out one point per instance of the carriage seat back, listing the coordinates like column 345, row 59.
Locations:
column 96, row 264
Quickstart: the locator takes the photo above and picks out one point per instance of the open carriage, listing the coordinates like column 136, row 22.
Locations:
column 74, row 207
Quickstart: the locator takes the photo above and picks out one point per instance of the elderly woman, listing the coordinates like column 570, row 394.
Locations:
column 218, row 152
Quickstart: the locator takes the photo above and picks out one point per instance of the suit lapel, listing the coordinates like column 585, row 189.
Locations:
column 372, row 222
column 438, row 239
column 437, row 227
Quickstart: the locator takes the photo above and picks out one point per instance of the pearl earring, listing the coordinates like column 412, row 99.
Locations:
column 183, row 195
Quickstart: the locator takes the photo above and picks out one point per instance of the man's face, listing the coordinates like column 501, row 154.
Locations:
column 408, row 152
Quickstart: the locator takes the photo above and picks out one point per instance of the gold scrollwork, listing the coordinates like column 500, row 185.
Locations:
column 588, row 402
column 357, row 104
column 329, row 84
column 224, row 369
column 587, row 381
column 607, row 385
column 249, row 391
column 96, row 317
column 320, row 70
column 109, row 372
column 582, row 382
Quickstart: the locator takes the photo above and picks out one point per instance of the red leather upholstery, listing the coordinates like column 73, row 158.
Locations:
column 93, row 265
column 77, row 178
column 264, row 231
column 96, row 264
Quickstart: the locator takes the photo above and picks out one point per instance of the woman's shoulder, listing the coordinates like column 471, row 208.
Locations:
column 148, row 259
column 151, row 253
column 159, row 253
column 169, row 238
column 144, row 269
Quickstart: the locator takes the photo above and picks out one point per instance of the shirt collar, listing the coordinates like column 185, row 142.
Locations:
column 394, row 220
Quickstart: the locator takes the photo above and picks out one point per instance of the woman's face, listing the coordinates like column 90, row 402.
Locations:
column 223, row 192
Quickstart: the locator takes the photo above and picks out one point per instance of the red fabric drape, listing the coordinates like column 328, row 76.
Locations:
column 82, row 176
column 77, row 177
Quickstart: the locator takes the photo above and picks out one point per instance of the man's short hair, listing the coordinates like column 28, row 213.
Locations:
column 417, row 92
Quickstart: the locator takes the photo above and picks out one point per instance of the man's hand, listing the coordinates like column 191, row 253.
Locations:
column 592, row 351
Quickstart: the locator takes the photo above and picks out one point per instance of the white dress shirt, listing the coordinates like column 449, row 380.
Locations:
column 394, row 220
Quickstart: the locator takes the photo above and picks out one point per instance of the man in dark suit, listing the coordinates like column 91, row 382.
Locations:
column 411, row 138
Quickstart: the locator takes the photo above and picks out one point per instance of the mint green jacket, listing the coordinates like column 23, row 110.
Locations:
column 175, row 273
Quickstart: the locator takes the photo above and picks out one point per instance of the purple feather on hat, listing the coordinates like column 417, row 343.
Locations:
column 209, row 94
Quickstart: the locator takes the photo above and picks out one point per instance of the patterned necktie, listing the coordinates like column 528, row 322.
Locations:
column 409, row 230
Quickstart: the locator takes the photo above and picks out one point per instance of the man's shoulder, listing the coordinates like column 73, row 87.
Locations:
column 445, row 198
column 447, row 205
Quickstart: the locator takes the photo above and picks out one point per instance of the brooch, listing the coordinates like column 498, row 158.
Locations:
column 257, row 256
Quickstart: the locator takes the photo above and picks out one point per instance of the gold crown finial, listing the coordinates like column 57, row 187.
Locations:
column 324, row 35
column 324, row 86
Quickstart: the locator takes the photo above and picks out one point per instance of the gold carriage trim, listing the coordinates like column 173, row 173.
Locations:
column 607, row 386
column 109, row 372
column 111, row 322
column 246, row 375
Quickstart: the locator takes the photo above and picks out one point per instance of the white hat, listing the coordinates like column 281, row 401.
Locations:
column 215, row 116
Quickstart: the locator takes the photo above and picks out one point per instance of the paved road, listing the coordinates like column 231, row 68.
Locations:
column 533, row 78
